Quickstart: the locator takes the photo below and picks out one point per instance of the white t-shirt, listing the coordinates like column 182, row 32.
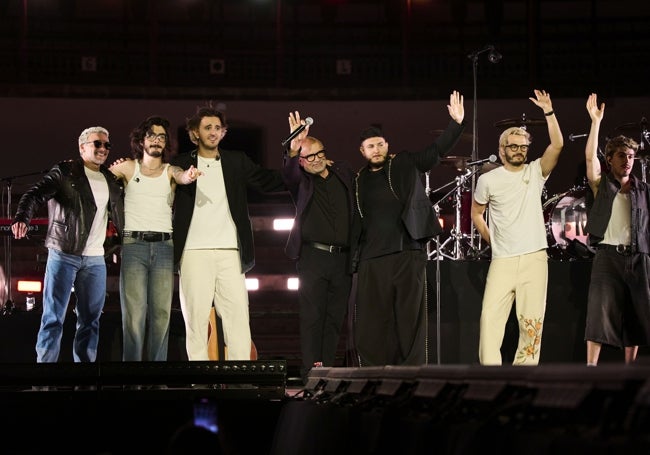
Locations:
column 515, row 215
column 619, row 231
column 97, row 236
column 212, row 225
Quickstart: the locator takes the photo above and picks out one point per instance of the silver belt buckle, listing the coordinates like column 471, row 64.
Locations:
column 621, row 249
column 332, row 248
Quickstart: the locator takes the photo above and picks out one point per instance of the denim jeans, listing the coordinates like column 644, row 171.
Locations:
column 146, row 289
column 87, row 275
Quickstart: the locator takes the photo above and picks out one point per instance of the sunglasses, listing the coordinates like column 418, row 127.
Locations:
column 98, row 144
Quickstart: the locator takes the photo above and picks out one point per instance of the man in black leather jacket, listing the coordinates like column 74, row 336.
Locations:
column 82, row 195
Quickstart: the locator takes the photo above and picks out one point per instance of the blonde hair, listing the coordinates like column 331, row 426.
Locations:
column 83, row 137
column 514, row 131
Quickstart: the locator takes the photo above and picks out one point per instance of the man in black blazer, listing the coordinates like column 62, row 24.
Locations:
column 213, row 237
column 393, row 222
column 319, row 241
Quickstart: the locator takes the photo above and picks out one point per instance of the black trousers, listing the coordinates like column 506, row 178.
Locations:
column 391, row 310
column 323, row 297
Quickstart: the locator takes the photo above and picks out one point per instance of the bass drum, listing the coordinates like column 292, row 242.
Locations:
column 565, row 215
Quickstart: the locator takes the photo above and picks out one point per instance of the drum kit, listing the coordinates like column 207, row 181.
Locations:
column 565, row 213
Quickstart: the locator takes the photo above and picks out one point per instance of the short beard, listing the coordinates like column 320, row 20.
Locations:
column 154, row 154
column 377, row 165
column 516, row 164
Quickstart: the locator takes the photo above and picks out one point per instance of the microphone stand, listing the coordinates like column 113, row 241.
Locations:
column 494, row 57
column 8, row 306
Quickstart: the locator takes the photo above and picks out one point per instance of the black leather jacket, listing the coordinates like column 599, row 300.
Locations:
column 71, row 205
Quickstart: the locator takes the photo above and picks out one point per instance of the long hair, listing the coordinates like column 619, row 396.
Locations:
column 137, row 137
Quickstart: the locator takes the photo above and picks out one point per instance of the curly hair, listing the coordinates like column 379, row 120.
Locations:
column 138, row 134
column 208, row 110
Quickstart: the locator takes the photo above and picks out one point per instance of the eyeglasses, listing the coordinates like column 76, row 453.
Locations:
column 516, row 147
column 313, row 156
column 162, row 137
column 98, row 144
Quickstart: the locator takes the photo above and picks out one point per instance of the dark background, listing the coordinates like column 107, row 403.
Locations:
column 69, row 64
column 66, row 65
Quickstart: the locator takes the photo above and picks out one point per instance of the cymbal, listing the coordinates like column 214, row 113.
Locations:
column 465, row 137
column 487, row 167
column 459, row 162
column 634, row 127
column 521, row 122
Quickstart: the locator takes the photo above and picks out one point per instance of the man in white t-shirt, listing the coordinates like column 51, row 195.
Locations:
column 516, row 233
column 213, row 236
column 82, row 196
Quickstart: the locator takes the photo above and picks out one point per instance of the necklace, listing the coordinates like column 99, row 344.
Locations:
column 207, row 161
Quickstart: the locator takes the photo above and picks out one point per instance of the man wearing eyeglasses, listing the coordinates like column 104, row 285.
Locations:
column 516, row 233
column 147, row 253
column 82, row 195
column 320, row 242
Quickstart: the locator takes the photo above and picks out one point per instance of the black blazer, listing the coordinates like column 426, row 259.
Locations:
column 239, row 173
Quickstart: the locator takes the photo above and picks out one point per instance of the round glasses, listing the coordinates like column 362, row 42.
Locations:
column 313, row 156
column 162, row 137
column 516, row 147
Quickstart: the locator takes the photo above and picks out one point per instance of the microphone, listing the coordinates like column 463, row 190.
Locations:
column 491, row 159
column 493, row 57
column 573, row 137
column 308, row 122
column 137, row 179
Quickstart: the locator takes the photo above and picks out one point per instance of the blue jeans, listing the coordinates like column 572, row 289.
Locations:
column 87, row 274
column 146, row 289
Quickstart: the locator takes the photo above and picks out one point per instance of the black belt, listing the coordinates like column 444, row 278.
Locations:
column 620, row 249
column 329, row 248
column 148, row 236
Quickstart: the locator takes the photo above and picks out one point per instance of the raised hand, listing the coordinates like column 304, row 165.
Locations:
column 294, row 124
column 542, row 100
column 455, row 107
column 594, row 111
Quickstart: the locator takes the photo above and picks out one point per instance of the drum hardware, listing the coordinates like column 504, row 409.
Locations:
column 522, row 122
column 457, row 236
column 565, row 215
column 459, row 162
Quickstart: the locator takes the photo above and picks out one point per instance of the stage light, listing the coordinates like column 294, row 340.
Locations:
column 29, row 286
column 252, row 284
column 282, row 224
column 293, row 283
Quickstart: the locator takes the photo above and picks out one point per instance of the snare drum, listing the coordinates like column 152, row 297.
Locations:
column 565, row 215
